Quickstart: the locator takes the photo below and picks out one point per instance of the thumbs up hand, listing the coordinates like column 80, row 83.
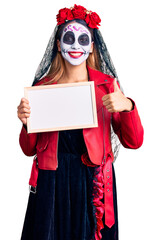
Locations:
column 116, row 101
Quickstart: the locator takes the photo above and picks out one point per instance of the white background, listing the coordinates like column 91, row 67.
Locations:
column 131, row 30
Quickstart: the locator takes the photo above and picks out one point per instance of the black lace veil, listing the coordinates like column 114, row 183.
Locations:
column 106, row 66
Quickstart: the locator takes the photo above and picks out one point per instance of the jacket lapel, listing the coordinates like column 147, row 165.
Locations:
column 103, row 85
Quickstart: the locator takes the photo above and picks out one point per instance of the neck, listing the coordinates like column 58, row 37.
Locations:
column 75, row 73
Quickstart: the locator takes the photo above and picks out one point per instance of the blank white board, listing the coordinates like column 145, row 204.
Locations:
column 61, row 107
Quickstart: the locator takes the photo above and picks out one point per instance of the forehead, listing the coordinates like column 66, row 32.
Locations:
column 76, row 28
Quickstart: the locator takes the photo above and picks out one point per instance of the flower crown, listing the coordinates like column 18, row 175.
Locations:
column 78, row 12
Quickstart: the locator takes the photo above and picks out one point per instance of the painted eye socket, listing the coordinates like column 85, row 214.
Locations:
column 69, row 38
column 83, row 39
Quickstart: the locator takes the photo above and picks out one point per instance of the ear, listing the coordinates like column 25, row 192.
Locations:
column 58, row 45
column 91, row 49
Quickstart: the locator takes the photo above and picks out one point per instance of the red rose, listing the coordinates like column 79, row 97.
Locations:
column 79, row 12
column 63, row 15
column 93, row 20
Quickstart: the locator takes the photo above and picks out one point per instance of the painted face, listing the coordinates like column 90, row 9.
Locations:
column 75, row 43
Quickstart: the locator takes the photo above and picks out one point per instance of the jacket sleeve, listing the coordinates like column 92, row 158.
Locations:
column 128, row 127
column 28, row 142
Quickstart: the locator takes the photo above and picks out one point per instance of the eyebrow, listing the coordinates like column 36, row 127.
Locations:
column 70, row 27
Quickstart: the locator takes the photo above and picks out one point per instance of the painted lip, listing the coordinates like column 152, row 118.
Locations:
column 75, row 54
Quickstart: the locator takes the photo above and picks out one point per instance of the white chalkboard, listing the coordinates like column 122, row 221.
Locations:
column 61, row 107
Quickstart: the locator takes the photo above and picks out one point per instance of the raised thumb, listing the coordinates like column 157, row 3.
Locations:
column 116, row 87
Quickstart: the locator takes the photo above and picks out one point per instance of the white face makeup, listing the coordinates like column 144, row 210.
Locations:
column 75, row 43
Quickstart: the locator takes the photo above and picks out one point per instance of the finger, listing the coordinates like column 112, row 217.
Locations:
column 23, row 105
column 23, row 115
column 107, row 105
column 107, row 101
column 24, row 100
column 24, row 110
column 116, row 87
column 106, row 97
column 112, row 110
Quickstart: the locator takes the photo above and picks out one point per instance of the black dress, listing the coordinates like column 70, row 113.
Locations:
column 62, row 208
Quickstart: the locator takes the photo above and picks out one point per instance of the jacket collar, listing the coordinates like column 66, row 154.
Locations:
column 99, row 77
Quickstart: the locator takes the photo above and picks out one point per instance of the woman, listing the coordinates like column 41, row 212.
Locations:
column 77, row 200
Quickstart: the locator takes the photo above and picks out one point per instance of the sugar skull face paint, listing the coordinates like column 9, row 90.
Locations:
column 75, row 43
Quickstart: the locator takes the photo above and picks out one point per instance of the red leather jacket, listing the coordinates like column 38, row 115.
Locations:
column 127, row 126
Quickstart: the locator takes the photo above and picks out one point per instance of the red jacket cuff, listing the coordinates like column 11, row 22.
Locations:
column 28, row 141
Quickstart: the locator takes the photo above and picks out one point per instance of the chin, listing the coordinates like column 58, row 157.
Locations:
column 75, row 62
